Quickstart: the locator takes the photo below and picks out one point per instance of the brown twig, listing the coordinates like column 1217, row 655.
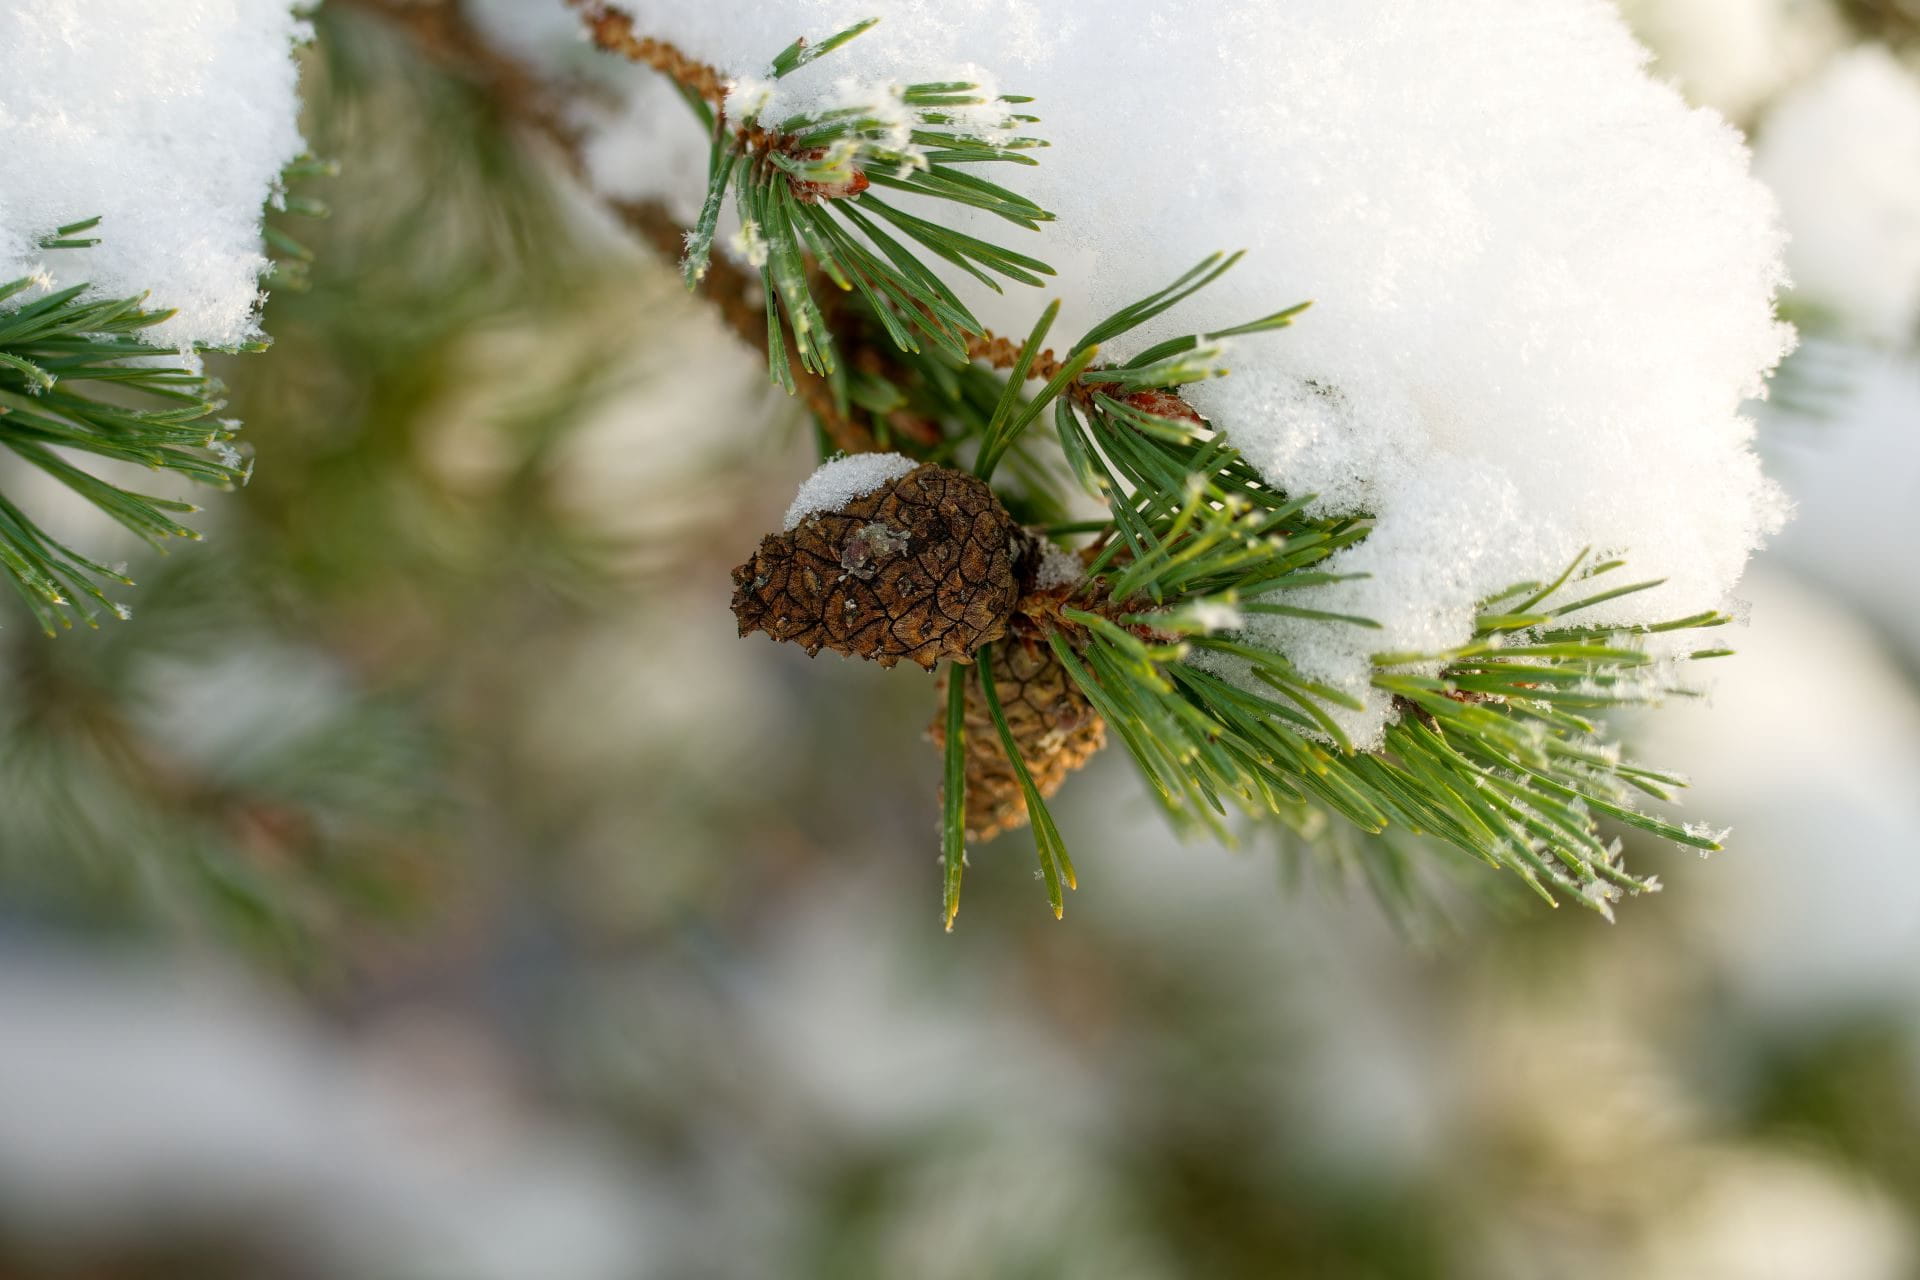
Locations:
column 1004, row 353
column 613, row 31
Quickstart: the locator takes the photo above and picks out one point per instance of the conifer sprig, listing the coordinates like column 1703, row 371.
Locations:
column 1496, row 747
column 804, row 189
column 76, row 378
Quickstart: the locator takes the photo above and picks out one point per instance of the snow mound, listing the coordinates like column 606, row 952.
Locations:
column 171, row 123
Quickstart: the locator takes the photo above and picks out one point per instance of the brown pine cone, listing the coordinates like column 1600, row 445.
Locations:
column 921, row 568
column 1056, row 728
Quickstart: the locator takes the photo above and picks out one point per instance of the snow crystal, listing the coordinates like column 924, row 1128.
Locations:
column 1602, row 895
column 748, row 96
column 1059, row 567
column 1543, row 283
column 1843, row 156
column 1707, row 831
column 1216, row 615
column 750, row 244
column 841, row 480
column 171, row 123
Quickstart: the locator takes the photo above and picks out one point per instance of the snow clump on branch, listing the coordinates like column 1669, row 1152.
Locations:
column 170, row 123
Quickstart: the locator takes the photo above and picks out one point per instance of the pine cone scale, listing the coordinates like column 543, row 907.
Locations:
column 921, row 568
column 1053, row 724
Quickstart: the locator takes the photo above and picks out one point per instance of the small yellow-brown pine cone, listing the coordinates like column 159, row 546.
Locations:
column 1056, row 728
column 922, row 568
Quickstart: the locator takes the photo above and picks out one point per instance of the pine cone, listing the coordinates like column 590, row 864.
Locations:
column 921, row 568
column 1056, row 728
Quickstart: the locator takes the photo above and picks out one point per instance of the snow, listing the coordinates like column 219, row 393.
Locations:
column 171, row 123
column 749, row 244
column 1058, row 568
column 1216, row 615
column 1843, row 155
column 748, row 96
column 839, row 481
column 1602, row 895
column 1543, row 284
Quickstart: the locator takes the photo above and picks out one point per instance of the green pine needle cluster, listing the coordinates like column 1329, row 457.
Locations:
column 789, row 179
column 78, row 378
column 75, row 378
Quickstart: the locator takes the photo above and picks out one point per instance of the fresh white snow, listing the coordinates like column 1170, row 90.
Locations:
column 170, row 122
column 840, row 480
column 1215, row 615
column 1058, row 568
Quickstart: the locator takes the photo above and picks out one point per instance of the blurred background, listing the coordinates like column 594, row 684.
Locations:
column 427, row 883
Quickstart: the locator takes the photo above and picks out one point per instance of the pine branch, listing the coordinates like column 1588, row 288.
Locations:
column 1496, row 749
column 76, row 378
column 795, row 183
column 443, row 33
